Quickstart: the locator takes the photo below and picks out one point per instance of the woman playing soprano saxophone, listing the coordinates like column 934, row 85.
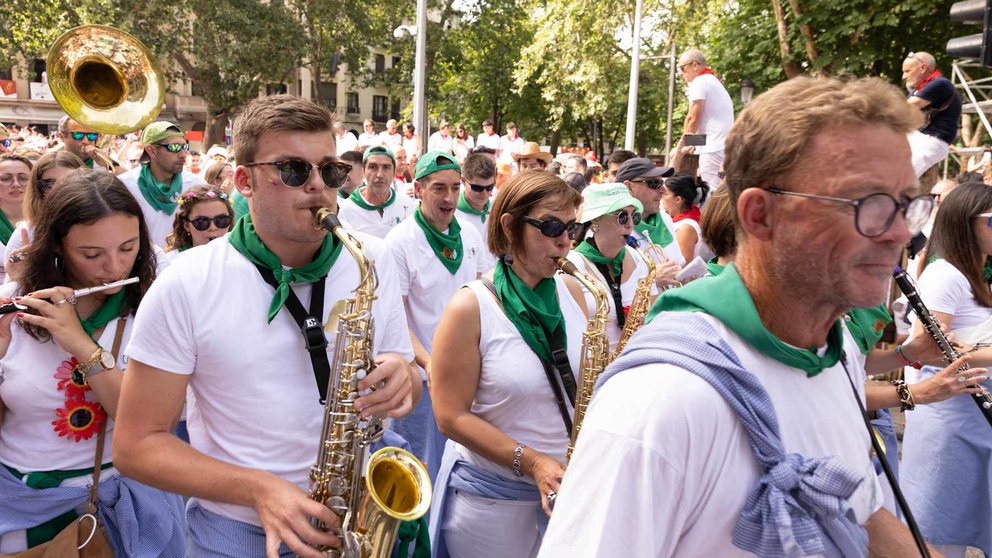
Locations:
column 491, row 390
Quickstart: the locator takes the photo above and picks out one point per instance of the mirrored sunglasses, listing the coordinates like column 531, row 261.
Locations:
column 175, row 147
column 78, row 136
column 295, row 173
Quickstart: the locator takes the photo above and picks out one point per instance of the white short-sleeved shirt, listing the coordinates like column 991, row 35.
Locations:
column 461, row 148
column 29, row 390
column 627, row 290
column 488, row 140
column 672, row 251
column 718, row 111
column 159, row 224
column 437, row 142
column 391, row 141
column 345, row 143
column 410, row 146
column 508, row 147
column 483, row 229
column 369, row 221
column 671, row 463
column 254, row 399
column 367, row 140
column 424, row 280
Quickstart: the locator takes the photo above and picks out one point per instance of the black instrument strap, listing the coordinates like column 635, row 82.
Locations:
column 561, row 364
column 311, row 326
column 614, row 284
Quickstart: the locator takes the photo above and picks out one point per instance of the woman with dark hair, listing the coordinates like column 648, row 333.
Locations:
column 681, row 197
column 45, row 173
column 947, row 447
column 15, row 174
column 59, row 382
column 205, row 213
column 494, row 380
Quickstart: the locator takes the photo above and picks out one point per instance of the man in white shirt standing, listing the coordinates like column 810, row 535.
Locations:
column 376, row 207
column 488, row 138
column 435, row 255
column 720, row 432
column 711, row 114
column 441, row 140
column 345, row 140
column 390, row 137
column 510, row 143
column 478, row 183
column 368, row 138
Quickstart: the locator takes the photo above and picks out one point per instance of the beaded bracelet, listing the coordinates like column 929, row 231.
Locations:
column 518, row 453
column 905, row 395
column 915, row 364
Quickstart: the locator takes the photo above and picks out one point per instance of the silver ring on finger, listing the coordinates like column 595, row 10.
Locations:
column 71, row 299
column 961, row 379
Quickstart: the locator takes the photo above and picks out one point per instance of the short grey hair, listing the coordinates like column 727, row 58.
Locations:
column 64, row 124
column 925, row 58
column 693, row 55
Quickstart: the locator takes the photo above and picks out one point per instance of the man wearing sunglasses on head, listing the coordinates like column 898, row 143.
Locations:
column 161, row 177
column 231, row 321
column 376, row 207
column 654, row 234
column 478, row 185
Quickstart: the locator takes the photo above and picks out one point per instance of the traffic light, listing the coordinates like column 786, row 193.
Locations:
column 979, row 45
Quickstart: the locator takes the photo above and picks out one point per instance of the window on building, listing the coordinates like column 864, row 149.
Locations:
column 195, row 89
column 7, row 74
column 380, row 108
column 328, row 94
column 380, row 63
column 276, row 89
column 39, row 68
column 353, row 107
column 396, row 62
column 394, row 109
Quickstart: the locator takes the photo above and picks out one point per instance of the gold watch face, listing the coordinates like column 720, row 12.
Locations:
column 107, row 360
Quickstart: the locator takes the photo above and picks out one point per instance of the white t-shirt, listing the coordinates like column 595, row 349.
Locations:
column 672, row 251
column 671, row 464
column 345, row 143
column 369, row 221
column 483, row 230
column 29, row 390
column 390, row 140
column 627, row 289
column 513, row 393
column 367, row 139
column 488, row 140
column 424, row 280
column 159, row 224
column 718, row 111
column 462, row 147
column 437, row 142
column 254, row 400
column 508, row 147
column 410, row 146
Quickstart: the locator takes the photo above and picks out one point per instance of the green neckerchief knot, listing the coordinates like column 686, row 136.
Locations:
column 447, row 246
column 654, row 227
column 463, row 205
column 357, row 199
column 88, row 162
column 867, row 326
column 245, row 240
column 714, row 268
column 588, row 249
column 726, row 298
column 106, row 313
column 6, row 228
column 535, row 313
column 162, row 197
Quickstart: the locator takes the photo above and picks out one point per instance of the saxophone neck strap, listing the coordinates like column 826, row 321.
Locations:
column 614, row 284
column 311, row 326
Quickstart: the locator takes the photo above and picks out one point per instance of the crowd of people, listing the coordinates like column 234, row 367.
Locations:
column 724, row 312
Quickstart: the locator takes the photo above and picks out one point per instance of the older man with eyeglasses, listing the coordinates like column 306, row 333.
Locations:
column 937, row 98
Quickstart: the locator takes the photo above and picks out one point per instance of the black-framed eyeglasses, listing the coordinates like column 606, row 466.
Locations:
column 653, row 183
column 78, row 136
column 552, row 227
column 295, row 173
column 174, row 147
column 624, row 217
column 202, row 223
column 479, row 188
column 874, row 213
column 682, row 67
column 45, row 184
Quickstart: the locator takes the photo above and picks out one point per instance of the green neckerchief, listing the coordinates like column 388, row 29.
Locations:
column 162, row 197
column 106, row 313
column 867, row 325
column 714, row 268
column 592, row 253
column 987, row 270
column 535, row 313
column 245, row 240
column 726, row 298
column 356, row 197
column 463, row 205
column 6, row 228
column 447, row 246
column 184, row 247
column 654, row 227
column 88, row 162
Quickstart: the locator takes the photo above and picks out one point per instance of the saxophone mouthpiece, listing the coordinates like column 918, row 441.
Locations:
column 567, row 266
column 325, row 219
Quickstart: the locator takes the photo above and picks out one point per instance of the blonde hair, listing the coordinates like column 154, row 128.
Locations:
column 282, row 113
column 517, row 197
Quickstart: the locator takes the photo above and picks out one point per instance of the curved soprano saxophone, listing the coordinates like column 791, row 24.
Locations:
column 370, row 499
column 639, row 306
column 595, row 348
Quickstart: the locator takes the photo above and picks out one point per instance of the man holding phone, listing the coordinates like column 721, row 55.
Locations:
column 711, row 114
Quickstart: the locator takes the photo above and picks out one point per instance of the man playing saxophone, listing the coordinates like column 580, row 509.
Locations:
column 241, row 323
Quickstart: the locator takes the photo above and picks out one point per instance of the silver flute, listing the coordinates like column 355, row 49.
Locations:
column 13, row 307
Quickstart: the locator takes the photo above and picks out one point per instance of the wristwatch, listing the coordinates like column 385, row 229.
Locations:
column 99, row 361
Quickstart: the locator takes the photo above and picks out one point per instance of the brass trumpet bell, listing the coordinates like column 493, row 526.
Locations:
column 105, row 79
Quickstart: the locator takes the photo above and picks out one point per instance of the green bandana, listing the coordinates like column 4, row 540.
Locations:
column 535, row 313
column 714, row 268
column 88, row 162
column 6, row 228
column 358, row 200
column 447, row 246
column 162, row 197
column 653, row 227
column 867, row 325
column 245, row 240
column 463, row 205
column 592, row 253
column 110, row 310
column 726, row 298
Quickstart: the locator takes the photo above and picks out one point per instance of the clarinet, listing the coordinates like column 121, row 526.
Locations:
column 983, row 399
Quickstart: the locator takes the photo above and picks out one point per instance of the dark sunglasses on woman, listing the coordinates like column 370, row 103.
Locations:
column 553, row 227
column 624, row 217
column 203, row 223
column 295, row 173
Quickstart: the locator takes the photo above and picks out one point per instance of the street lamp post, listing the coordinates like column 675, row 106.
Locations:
column 418, row 31
column 747, row 90
column 635, row 66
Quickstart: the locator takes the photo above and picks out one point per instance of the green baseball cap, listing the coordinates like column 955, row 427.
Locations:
column 378, row 150
column 160, row 130
column 428, row 164
column 600, row 199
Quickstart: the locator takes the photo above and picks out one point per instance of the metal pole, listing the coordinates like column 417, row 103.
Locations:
column 671, row 103
column 420, row 78
column 635, row 66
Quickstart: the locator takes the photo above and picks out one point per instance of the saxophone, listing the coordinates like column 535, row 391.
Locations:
column 595, row 348
column 369, row 499
column 639, row 306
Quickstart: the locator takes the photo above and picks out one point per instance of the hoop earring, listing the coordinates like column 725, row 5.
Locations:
column 59, row 264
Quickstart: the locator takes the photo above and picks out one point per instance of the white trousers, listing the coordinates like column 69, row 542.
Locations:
column 478, row 527
column 709, row 169
column 927, row 151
